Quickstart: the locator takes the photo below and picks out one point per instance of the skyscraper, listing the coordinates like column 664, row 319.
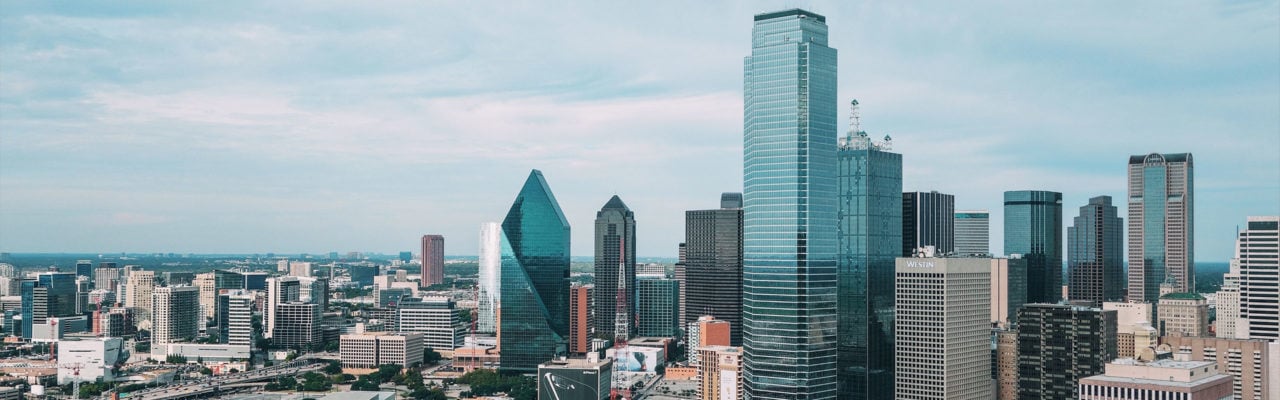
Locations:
column 534, row 321
column 615, row 238
column 138, row 288
column 175, row 315
column 490, row 275
column 297, row 326
column 50, row 295
column 432, row 260
column 1033, row 229
column 869, row 181
column 580, row 322
column 657, row 310
column 943, row 331
column 712, row 266
column 789, row 209
column 280, row 290
column 1161, row 224
column 1228, row 300
column 1060, row 344
column 1094, row 259
column 106, row 276
column 928, row 219
column 973, row 232
column 235, row 317
column 1259, row 255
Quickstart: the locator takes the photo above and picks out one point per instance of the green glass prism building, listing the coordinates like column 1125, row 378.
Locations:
column 789, row 210
column 534, row 276
column 871, row 231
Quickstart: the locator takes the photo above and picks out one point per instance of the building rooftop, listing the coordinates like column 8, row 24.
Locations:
column 792, row 12
column 577, row 363
column 1183, row 296
column 1173, row 157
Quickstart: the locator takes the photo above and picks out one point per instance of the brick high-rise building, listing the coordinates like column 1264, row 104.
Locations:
column 580, row 322
column 432, row 260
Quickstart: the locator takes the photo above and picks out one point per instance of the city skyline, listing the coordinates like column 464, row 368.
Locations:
column 301, row 135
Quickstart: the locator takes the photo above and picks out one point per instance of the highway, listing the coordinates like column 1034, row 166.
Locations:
column 211, row 385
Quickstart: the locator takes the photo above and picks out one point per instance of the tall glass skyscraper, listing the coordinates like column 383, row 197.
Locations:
column 1095, row 265
column 534, row 319
column 789, row 239
column 928, row 219
column 52, row 294
column 870, row 227
column 1161, row 224
column 490, row 261
column 1033, row 228
column 615, row 228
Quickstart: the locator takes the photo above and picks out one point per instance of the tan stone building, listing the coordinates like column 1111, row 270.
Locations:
column 1183, row 314
column 1253, row 364
column 1131, row 379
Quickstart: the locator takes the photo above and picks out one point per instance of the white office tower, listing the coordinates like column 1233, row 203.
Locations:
column 972, row 232
column 1228, row 301
column 175, row 315
column 207, row 284
column 280, row 290
column 490, row 271
column 240, row 317
column 436, row 318
column 300, row 268
column 943, row 333
column 1259, row 254
column 137, row 293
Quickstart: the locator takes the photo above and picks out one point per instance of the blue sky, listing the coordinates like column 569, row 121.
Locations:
column 336, row 126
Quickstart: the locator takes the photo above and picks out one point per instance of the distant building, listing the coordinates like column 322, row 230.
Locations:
column 175, row 315
column 115, row 322
column 406, row 256
column 1127, row 378
column 943, row 333
column 1259, row 255
column 297, row 326
column 432, row 260
column 96, row 358
column 235, row 317
column 362, row 275
column 106, row 276
column 720, row 373
column 369, row 350
column 137, row 292
column 711, row 265
column 436, row 318
column 973, row 232
column 1095, row 256
column 1183, row 314
column 1060, row 344
column 1161, row 224
column 615, row 241
column 659, row 307
column 575, row 379
column 534, row 322
column 928, row 219
column 1133, row 328
column 50, row 295
column 84, row 268
column 580, row 321
column 1033, row 229
column 1252, row 363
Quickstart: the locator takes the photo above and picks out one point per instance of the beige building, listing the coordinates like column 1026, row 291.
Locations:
column 1007, row 365
column 137, row 293
column 1253, row 364
column 1183, row 314
column 366, row 351
column 1228, row 302
column 707, row 331
column 943, row 333
column 207, row 284
column 1133, row 327
column 1008, row 289
column 720, row 373
column 1183, row 379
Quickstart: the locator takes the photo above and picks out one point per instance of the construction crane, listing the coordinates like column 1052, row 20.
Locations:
column 75, row 377
column 621, row 330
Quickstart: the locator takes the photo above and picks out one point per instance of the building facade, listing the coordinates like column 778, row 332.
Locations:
column 490, row 274
column 137, row 293
column 615, row 268
column 870, row 229
column 50, row 295
column 297, row 326
column 1228, row 302
column 659, row 307
column 720, row 375
column 436, row 318
column 432, row 260
column 1127, row 378
column 1033, row 229
column 1183, row 314
column 175, row 314
column 943, row 334
column 575, row 379
column 580, row 319
column 1259, row 255
column 235, row 317
column 712, row 264
column 1161, row 224
column 973, row 232
column 928, row 219
column 789, row 209
column 1094, row 254
column 280, row 290
column 367, row 351
column 1060, row 344
column 1253, row 364
column 707, row 331
column 1008, row 290
column 534, row 322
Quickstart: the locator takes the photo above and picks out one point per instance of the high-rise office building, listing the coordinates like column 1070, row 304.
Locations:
column 280, row 290
column 50, row 295
column 973, row 232
column 1006, row 364
column 1259, row 255
column 1033, row 229
column 1161, row 224
column 1008, row 290
column 534, row 319
column 869, row 190
column 436, row 318
column 943, row 333
column 1095, row 263
column 1228, row 301
column 580, row 322
column 490, row 274
column 615, row 238
column 720, row 374
column 928, row 219
column 1058, row 345
column 362, row 274
column 789, row 209
column 712, row 265
column 297, row 326
column 432, row 260
column 1183, row 314
column 106, row 276
column 175, row 316
column 235, row 317
column 137, row 293
column 657, row 310
column 84, row 268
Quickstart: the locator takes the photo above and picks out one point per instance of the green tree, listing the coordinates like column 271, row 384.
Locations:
column 364, row 384
column 332, row 347
column 387, row 372
column 142, row 347
column 413, row 379
column 175, row 359
column 334, row 367
column 315, row 382
column 430, row 356
column 288, row 383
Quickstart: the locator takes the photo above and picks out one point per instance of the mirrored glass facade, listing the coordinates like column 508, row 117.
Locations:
column 1161, row 227
column 870, row 228
column 1033, row 228
column 534, row 318
column 789, row 239
column 1094, row 260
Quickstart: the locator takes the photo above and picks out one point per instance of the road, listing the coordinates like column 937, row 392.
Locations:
column 210, row 385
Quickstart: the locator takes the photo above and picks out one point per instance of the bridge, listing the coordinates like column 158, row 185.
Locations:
column 212, row 386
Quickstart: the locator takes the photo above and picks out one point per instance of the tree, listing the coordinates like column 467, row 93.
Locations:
column 175, row 359
column 288, row 383
column 206, row 371
column 413, row 379
column 315, row 382
column 364, row 384
column 142, row 347
column 430, row 356
column 334, row 367
column 331, row 347
column 387, row 372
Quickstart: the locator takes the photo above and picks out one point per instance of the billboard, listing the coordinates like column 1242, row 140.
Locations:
column 571, row 384
column 638, row 359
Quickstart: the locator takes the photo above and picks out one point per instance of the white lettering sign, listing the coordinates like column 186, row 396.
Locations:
column 919, row 264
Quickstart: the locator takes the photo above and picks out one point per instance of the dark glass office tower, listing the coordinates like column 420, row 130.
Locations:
column 871, row 228
column 52, row 294
column 1094, row 259
column 789, row 209
column 713, row 264
column 534, row 278
column 928, row 219
column 1058, row 345
column 1033, row 228
column 615, row 226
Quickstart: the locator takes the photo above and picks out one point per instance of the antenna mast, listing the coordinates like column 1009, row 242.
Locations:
column 621, row 329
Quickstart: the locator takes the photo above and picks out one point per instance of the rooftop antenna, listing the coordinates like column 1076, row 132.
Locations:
column 855, row 119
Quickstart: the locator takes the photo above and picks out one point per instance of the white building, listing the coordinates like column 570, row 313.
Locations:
column 137, row 293
column 207, row 284
column 1258, row 249
column 279, row 291
column 943, row 332
column 436, row 318
column 239, row 329
column 94, row 359
column 369, row 350
column 490, row 260
column 1228, row 302
column 205, row 353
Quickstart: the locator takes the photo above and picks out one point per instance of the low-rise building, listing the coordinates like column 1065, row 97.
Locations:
column 720, row 373
column 575, row 379
column 89, row 360
column 1254, row 365
column 366, row 351
column 1183, row 379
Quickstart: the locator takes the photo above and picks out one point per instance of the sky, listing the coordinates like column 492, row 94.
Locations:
column 287, row 127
